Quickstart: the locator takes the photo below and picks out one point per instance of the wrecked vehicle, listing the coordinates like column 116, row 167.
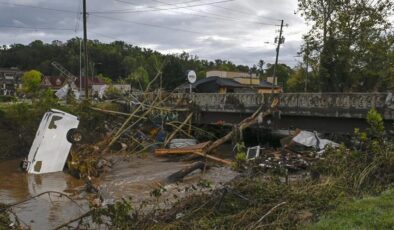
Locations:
column 51, row 146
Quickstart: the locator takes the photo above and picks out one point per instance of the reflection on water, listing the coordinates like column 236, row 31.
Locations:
column 46, row 211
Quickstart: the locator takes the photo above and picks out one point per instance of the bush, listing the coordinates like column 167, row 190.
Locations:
column 7, row 98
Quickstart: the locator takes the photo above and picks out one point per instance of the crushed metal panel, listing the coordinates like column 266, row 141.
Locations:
column 50, row 148
column 310, row 139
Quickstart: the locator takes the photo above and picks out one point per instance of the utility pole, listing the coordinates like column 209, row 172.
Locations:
column 85, row 47
column 280, row 41
column 307, row 66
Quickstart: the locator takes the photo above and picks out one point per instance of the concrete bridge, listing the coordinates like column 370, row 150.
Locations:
column 325, row 112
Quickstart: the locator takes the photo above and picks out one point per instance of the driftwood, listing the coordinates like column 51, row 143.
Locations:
column 111, row 112
column 226, row 162
column 199, row 150
column 182, row 131
column 185, row 150
column 122, row 129
column 243, row 125
column 178, row 176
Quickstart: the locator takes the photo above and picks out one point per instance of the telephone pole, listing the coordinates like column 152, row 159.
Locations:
column 307, row 66
column 280, row 41
column 85, row 47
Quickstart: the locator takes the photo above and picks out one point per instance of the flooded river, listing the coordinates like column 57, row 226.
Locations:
column 45, row 212
column 130, row 177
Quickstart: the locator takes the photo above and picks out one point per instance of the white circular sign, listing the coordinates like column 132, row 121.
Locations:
column 192, row 76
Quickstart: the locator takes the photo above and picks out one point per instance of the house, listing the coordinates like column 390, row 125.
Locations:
column 57, row 82
column 216, row 85
column 240, row 77
column 10, row 81
column 53, row 82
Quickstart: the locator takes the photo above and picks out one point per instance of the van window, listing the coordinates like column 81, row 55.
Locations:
column 38, row 166
column 52, row 125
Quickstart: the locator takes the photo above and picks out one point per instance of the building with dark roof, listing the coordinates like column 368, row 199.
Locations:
column 226, row 85
column 10, row 81
column 266, row 87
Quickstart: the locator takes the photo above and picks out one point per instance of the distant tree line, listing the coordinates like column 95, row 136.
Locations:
column 116, row 61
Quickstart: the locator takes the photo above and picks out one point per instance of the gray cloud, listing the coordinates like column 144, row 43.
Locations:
column 236, row 30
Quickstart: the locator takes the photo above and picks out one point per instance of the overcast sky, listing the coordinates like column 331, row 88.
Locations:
column 242, row 31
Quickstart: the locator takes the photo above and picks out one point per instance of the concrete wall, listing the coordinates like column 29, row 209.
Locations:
column 344, row 105
column 332, row 105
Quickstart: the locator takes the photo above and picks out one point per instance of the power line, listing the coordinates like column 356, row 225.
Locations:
column 239, row 11
column 215, row 16
column 78, row 18
column 38, row 7
column 150, row 25
column 158, row 9
column 103, row 35
column 36, row 28
column 244, row 13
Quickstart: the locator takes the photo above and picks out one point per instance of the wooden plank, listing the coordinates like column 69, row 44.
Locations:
column 185, row 150
column 226, row 162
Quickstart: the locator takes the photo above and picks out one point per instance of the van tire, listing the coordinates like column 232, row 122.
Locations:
column 74, row 136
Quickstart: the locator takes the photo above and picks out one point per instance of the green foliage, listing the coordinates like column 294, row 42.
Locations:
column 118, row 59
column 283, row 73
column 7, row 98
column 31, row 82
column 139, row 79
column 367, row 213
column 46, row 100
column 17, row 129
column 240, row 157
column 104, row 79
column 349, row 45
column 376, row 125
column 296, row 81
column 112, row 92
column 366, row 168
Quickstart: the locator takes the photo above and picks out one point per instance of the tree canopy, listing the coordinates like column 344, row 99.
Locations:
column 350, row 44
column 31, row 81
column 117, row 60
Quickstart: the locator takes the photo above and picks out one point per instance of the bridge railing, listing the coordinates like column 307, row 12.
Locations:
column 312, row 104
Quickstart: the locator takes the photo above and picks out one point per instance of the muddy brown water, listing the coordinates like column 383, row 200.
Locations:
column 135, row 178
column 45, row 212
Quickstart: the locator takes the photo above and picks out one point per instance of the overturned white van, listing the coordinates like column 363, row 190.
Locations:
column 53, row 141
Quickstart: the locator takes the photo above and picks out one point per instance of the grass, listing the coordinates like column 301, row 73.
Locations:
column 367, row 213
